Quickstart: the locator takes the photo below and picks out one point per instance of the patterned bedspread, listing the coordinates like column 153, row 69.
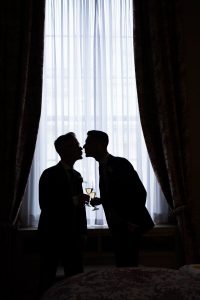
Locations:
column 128, row 284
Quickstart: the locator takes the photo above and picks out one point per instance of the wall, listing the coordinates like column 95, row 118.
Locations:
column 191, row 10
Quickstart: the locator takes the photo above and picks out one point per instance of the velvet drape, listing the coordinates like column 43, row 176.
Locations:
column 21, row 58
column 22, row 29
column 159, row 63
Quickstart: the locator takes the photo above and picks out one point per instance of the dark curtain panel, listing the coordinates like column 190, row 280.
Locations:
column 158, row 46
column 21, row 58
column 22, row 27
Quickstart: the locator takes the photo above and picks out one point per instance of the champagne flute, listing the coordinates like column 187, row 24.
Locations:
column 92, row 196
column 88, row 191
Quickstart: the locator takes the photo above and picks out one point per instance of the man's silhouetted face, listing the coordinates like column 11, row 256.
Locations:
column 72, row 149
column 91, row 146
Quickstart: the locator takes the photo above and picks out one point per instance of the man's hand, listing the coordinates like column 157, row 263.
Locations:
column 95, row 201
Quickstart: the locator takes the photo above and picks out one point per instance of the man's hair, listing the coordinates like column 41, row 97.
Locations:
column 62, row 139
column 100, row 136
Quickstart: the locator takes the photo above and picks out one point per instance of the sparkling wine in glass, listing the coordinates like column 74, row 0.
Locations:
column 88, row 190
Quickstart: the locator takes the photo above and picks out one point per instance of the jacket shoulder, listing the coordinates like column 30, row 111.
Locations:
column 51, row 171
column 120, row 162
column 78, row 175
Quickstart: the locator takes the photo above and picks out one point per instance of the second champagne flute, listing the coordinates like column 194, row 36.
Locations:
column 92, row 196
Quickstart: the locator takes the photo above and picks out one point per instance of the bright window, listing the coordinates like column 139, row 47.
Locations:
column 89, row 83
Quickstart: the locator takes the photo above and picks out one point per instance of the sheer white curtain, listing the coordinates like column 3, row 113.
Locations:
column 89, row 83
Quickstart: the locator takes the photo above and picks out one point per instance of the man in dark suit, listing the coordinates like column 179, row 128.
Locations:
column 123, row 197
column 62, row 223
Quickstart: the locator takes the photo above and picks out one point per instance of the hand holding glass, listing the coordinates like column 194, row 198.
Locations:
column 92, row 195
column 88, row 191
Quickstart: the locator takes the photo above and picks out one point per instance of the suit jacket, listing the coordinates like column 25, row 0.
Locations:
column 60, row 218
column 123, row 195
